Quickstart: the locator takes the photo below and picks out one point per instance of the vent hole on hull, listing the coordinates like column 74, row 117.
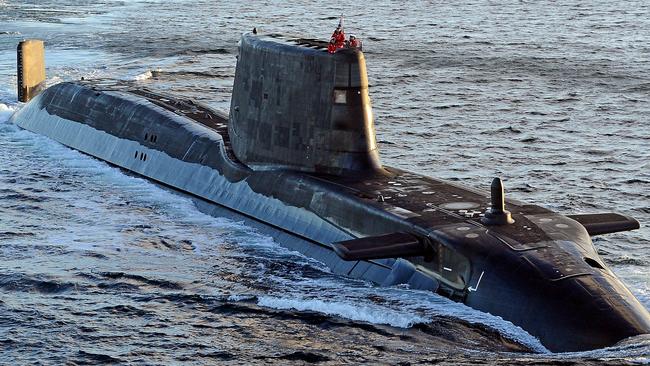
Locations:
column 593, row 263
column 136, row 155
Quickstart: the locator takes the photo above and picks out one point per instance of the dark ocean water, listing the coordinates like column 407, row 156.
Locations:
column 98, row 266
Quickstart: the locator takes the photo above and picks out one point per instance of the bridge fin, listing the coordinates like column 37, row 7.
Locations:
column 295, row 106
column 605, row 223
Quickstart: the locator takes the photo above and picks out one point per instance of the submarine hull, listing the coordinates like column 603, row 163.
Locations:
column 540, row 272
column 309, row 212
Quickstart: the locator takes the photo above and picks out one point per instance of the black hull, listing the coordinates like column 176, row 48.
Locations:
column 536, row 278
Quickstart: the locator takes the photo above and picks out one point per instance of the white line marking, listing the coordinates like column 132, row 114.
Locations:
column 477, row 283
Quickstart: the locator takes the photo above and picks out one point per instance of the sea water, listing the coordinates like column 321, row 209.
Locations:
column 97, row 265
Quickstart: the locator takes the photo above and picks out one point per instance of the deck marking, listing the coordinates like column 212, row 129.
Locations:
column 477, row 283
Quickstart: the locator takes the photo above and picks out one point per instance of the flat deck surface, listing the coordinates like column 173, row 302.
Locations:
column 431, row 202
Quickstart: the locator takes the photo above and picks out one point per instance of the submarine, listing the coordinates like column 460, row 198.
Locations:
column 297, row 154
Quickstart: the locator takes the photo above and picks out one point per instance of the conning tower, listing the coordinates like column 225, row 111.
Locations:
column 301, row 108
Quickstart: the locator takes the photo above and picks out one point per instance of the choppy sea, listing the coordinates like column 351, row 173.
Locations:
column 99, row 266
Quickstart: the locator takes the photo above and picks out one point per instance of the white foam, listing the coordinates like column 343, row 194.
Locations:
column 240, row 297
column 147, row 203
column 639, row 280
column 143, row 76
column 395, row 306
column 358, row 312
column 6, row 111
column 634, row 350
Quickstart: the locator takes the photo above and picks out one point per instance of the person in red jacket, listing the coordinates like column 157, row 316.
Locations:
column 354, row 43
column 339, row 37
column 331, row 47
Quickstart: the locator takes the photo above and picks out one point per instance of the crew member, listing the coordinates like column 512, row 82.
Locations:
column 339, row 37
column 331, row 47
column 354, row 42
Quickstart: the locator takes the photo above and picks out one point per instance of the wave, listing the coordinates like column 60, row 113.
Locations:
column 141, row 279
column 356, row 312
column 643, row 87
column 18, row 282
column 634, row 350
column 143, row 76
column 402, row 308
column 17, row 196
column 216, row 51
column 626, row 261
column 158, row 74
column 504, row 129
column 449, row 331
column 597, row 152
column 203, row 74
column 124, row 310
column 529, row 139
column 537, row 113
column 447, row 106
column 95, row 358
column 564, row 119
column 637, row 181
column 14, row 234
column 6, row 111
